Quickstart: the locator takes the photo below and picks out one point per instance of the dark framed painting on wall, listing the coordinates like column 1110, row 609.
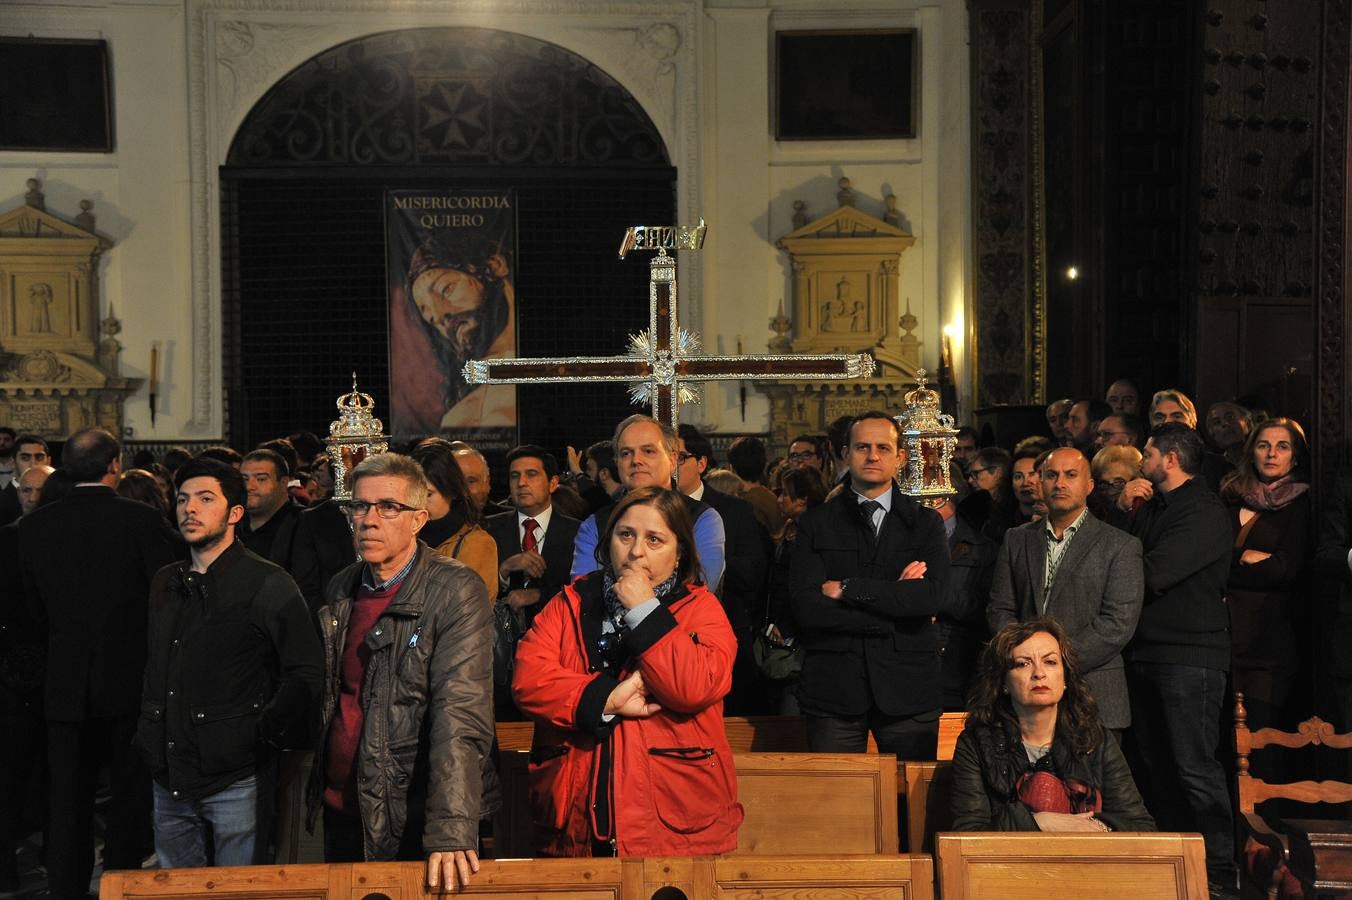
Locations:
column 845, row 85
column 54, row 95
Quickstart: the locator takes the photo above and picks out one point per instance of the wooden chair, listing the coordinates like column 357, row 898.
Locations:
column 1034, row 866
column 1253, row 791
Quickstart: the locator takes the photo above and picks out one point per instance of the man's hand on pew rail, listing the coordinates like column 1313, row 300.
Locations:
column 451, row 868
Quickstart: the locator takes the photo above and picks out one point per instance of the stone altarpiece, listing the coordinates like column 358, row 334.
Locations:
column 56, row 374
column 846, row 299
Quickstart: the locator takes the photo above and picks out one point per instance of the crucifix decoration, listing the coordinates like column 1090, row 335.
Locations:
column 663, row 361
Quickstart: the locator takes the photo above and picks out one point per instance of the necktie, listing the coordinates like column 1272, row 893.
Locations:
column 528, row 538
column 870, row 507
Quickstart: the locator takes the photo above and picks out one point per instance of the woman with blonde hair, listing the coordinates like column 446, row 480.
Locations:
column 1112, row 467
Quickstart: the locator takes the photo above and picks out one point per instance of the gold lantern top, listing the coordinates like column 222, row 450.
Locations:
column 353, row 436
column 929, row 438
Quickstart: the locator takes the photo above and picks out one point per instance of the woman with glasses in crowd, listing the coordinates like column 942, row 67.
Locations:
column 1269, row 500
column 1034, row 755
column 624, row 673
column 454, row 525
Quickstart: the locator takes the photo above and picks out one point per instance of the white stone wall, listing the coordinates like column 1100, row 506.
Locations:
column 186, row 72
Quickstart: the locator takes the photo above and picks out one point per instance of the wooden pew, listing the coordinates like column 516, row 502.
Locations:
column 593, row 879
column 805, row 803
column 794, row 802
column 747, row 734
column 1024, row 866
column 697, row 878
column 927, row 786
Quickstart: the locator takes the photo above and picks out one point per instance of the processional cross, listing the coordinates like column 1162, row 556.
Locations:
column 662, row 361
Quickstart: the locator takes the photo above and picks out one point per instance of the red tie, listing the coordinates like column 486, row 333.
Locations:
column 528, row 539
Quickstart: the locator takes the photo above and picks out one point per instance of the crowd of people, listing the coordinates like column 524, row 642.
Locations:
column 1090, row 595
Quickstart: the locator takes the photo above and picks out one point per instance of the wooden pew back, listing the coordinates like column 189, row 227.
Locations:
column 1104, row 866
column 794, row 802
column 804, row 803
column 748, row 734
column 742, row 878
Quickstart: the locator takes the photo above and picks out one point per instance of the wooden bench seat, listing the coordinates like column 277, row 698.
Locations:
column 1023, row 866
column 697, row 878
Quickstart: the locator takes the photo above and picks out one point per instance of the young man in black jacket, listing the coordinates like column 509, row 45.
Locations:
column 1178, row 659
column 233, row 675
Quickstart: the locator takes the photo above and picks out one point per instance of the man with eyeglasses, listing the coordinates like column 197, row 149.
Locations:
column 647, row 453
column 407, row 713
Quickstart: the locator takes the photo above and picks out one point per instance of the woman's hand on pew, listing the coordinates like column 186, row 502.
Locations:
column 451, row 868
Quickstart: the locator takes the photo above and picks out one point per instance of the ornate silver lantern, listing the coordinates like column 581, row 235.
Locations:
column 353, row 436
column 928, row 436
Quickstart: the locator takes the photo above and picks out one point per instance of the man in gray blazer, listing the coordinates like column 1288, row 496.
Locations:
column 1083, row 573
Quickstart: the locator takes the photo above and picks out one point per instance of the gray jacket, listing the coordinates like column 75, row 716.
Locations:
column 427, row 698
column 1097, row 597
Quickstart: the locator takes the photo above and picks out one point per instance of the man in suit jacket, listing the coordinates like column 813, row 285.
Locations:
column 869, row 574
column 535, row 542
column 87, row 564
column 1082, row 572
column 747, row 549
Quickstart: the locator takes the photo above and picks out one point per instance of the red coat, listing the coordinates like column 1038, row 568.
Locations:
column 668, row 779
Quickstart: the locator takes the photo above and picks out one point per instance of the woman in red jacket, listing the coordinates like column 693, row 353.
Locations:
column 624, row 673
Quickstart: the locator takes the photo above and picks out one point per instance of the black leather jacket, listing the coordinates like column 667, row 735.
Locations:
column 990, row 758
column 427, row 700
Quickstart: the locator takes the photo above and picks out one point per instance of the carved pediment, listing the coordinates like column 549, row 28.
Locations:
column 844, row 222
column 30, row 222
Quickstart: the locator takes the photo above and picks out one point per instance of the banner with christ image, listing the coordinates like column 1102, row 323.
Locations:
column 450, row 270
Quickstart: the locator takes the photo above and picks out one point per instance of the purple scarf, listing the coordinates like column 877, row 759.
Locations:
column 1275, row 495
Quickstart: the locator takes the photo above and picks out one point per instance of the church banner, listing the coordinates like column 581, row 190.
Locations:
column 450, row 271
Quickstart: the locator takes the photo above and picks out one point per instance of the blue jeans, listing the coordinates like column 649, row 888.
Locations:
column 1175, row 722
column 181, row 826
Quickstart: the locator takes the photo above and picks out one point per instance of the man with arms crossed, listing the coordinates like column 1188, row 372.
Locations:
column 869, row 574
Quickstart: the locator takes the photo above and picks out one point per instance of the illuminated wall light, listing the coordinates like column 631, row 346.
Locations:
column 1072, row 273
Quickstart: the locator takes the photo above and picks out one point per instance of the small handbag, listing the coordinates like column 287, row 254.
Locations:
column 776, row 660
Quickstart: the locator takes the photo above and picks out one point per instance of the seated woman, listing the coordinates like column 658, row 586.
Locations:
column 624, row 672
column 1034, row 756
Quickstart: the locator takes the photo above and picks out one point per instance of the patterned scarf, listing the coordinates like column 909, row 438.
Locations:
column 615, row 610
column 1274, row 495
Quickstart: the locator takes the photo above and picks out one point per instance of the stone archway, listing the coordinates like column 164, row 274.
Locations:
column 238, row 49
column 302, row 236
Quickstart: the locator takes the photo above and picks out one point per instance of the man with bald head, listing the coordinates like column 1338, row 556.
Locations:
column 474, row 466
column 30, row 487
column 1086, row 574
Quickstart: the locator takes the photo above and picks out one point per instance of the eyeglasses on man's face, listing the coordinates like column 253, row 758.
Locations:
column 972, row 473
column 682, row 456
column 386, row 509
column 803, row 455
